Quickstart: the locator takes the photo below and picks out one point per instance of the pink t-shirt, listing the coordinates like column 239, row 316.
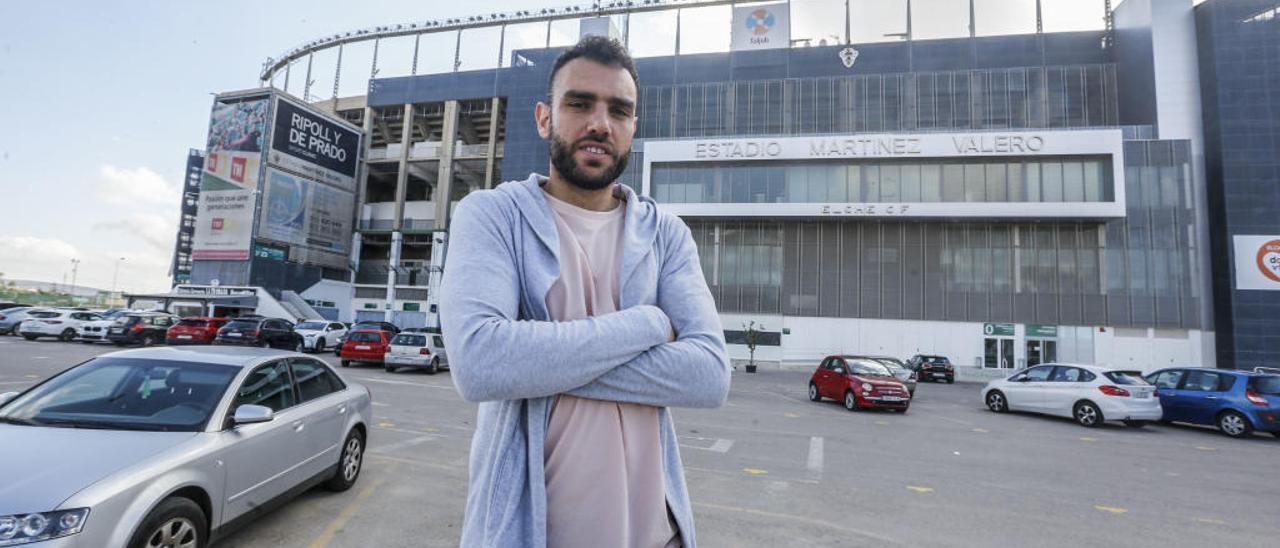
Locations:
column 603, row 459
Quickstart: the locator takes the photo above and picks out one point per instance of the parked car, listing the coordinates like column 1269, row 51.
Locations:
column 933, row 368
column 418, row 350
column 194, row 330
column 382, row 326
column 55, row 322
column 11, row 317
column 317, row 335
column 365, row 345
column 1089, row 394
column 1236, row 402
column 900, row 371
column 144, row 328
column 96, row 331
column 259, row 331
column 10, row 304
column 170, row 446
column 859, row 382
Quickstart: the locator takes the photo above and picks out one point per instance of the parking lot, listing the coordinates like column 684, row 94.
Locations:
column 773, row 469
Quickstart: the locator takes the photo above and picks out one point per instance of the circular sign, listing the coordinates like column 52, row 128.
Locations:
column 759, row 22
column 1269, row 260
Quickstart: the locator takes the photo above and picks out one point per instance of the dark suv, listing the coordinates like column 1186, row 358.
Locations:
column 933, row 368
column 144, row 328
column 258, row 331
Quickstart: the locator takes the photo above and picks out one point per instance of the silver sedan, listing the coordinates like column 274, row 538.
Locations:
column 170, row 446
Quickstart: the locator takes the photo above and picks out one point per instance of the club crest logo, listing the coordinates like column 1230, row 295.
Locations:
column 760, row 21
column 848, row 56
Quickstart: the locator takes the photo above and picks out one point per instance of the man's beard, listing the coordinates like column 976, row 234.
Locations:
column 562, row 159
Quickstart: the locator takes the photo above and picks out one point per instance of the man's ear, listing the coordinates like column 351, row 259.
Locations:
column 542, row 115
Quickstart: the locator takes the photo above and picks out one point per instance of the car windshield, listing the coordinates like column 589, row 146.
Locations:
column 242, row 324
column 936, row 359
column 1268, row 384
column 409, row 340
column 125, row 394
column 194, row 323
column 868, row 368
column 43, row 314
column 316, row 326
column 364, row 336
column 1126, row 377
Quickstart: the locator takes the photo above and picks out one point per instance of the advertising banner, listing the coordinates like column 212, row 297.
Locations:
column 224, row 211
column 314, row 145
column 305, row 214
column 224, row 225
column 759, row 26
column 1257, row 262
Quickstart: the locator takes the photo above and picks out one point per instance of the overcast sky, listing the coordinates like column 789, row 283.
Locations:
column 101, row 100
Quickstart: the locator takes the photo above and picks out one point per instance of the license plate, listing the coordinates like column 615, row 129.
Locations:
column 184, row 336
column 891, row 398
column 939, row 374
column 116, row 330
column 1142, row 395
column 362, row 347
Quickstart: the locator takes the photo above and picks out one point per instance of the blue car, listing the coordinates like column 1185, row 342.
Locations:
column 1236, row 402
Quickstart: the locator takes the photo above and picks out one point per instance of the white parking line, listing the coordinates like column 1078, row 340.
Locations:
column 721, row 446
column 16, row 382
column 815, row 454
column 380, row 404
column 401, row 444
column 406, row 383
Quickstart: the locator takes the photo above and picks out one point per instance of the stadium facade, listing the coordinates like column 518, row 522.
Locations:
column 1003, row 200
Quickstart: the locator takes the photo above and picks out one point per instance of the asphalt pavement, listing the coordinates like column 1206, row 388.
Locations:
column 774, row 469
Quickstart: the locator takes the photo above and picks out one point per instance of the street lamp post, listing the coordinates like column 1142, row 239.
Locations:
column 114, row 276
column 75, row 266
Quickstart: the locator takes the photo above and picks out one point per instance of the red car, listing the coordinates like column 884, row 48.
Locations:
column 194, row 331
column 365, row 345
column 860, row 383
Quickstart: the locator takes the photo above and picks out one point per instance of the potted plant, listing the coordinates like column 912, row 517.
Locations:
column 753, row 336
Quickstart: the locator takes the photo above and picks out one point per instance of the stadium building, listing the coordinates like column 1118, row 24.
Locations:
column 1101, row 196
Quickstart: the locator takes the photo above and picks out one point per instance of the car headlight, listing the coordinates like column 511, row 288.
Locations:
column 866, row 386
column 26, row 528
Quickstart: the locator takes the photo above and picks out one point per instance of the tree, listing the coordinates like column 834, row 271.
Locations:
column 753, row 337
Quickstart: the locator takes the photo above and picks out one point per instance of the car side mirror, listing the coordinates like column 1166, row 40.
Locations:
column 253, row 414
column 5, row 397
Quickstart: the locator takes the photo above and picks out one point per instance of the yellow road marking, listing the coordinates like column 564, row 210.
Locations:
column 755, row 471
column 347, row 513
column 1211, row 520
column 1112, row 509
column 386, row 424
column 1206, row 448
column 32, row 376
column 981, row 430
column 1089, row 439
column 919, row 489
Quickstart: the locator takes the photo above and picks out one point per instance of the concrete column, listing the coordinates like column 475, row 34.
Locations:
column 362, row 190
column 490, row 157
column 402, row 175
column 388, row 311
column 444, row 182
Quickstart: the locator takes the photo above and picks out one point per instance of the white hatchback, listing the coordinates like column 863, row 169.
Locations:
column 1087, row 393
column 418, row 350
column 55, row 322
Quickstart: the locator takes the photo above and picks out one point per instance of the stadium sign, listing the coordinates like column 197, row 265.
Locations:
column 314, row 145
column 761, row 26
column 1257, row 262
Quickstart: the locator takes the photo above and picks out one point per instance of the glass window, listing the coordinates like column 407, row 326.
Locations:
column 871, row 183
column 975, row 183
column 1093, row 178
column 1268, row 385
column 797, row 184
column 953, row 183
column 1032, row 180
column 314, row 380
column 365, row 337
column 1066, row 374
column 1016, row 182
column 1168, row 379
column 910, row 191
column 1052, row 181
column 1039, row 374
column 833, row 178
column 1202, row 381
column 890, row 182
column 437, row 342
column 997, row 184
column 1073, row 181
column 268, row 386
column 1130, row 378
column 931, row 183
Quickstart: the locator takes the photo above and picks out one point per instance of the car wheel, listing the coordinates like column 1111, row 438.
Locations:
column 904, row 410
column 388, row 368
column 951, row 381
column 348, row 463
column 1087, row 414
column 997, row 402
column 177, row 522
column 1234, row 424
column 434, row 367
column 67, row 335
column 319, row 345
column 850, row 402
column 86, row 342
column 148, row 340
column 118, row 343
column 813, row 393
column 1136, row 424
column 30, row 337
column 346, row 363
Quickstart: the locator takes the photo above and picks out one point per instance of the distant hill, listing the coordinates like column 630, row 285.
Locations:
column 33, row 285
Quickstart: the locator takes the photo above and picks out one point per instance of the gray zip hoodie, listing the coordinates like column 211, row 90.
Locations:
column 506, row 353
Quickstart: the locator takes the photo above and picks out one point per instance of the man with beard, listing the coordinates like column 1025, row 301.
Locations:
column 576, row 314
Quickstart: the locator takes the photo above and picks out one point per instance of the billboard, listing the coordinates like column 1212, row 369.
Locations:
column 307, row 215
column 233, row 160
column 1257, row 262
column 314, row 145
column 761, row 26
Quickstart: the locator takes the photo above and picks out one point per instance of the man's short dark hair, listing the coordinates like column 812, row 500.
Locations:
column 601, row 49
